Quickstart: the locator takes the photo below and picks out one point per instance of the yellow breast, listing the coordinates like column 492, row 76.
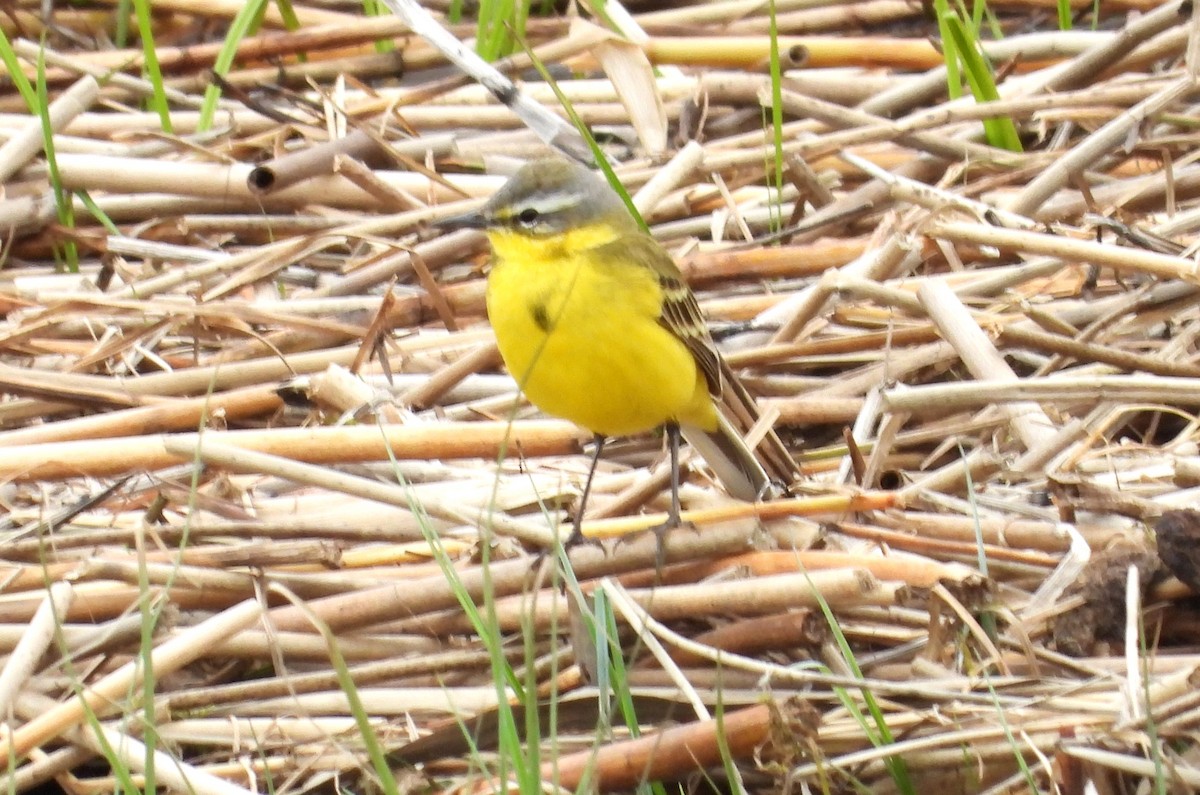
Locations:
column 583, row 338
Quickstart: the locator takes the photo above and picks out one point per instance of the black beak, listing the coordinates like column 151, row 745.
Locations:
column 471, row 220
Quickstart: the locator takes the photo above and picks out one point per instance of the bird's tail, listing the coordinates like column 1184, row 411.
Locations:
column 732, row 461
column 764, row 473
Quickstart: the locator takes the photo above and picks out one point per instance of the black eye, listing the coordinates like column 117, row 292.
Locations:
column 528, row 217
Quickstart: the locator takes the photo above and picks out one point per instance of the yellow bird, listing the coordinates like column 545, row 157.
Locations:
column 594, row 321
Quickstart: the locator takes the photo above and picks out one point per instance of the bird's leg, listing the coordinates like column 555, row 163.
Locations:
column 673, row 520
column 577, row 536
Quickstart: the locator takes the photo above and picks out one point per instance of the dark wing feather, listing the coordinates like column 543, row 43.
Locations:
column 680, row 313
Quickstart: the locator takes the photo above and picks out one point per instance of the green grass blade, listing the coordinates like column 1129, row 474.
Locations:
column 1152, row 733
column 1009, row 737
column 287, row 12
column 1000, row 132
column 122, row 776
column 363, row 721
column 1064, row 14
column 96, row 212
column 376, row 8
column 121, row 25
column 16, row 74
column 63, row 203
column 513, row 751
column 149, row 621
column 500, row 25
column 485, row 31
column 988, row 619
column 949, row 51
column 245, row 22
column 158, row 99
column 776, row 117
column 604, row 626
column 597, row 152
column 358, row 711
column 977, row 11
column 877, row 729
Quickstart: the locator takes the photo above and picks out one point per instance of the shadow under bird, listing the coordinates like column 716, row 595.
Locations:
column 594, row 321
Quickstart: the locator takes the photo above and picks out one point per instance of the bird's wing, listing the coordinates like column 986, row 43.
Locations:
column 680, row 312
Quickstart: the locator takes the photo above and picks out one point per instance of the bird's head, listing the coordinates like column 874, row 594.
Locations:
column 548, row 197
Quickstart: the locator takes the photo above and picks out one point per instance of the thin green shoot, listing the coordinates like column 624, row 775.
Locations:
column 121, row 30
column 149, row 621
column 269, row 785
column 361, row 719
column 603, row 627
column 287, row 13
column 981, row 551
column 244, row 23
column 599, row 9
column 552, row 722
column 877, row 730
column 375, row 8
column 15, row 73
column 123, row 778
column 776, row 117
column 1160, row 768
column 500, row 26
column 1000, row 132
column 599, row 624
column 980, row 12
column 976, row 14
column 977, row 9
column 988, row 619
column 97, row 212
column 29, row 93
column 158, row 97
column 63, row 203
column 120, row 771
column 731, row 771
column 1064, row 14
column 615, row 673
column 1009, row 737
column 358, row 711
column 485, row 623
column 612, row 675
column 949, row 50
column 151, row 613
column 532, row 745
column 597, row 152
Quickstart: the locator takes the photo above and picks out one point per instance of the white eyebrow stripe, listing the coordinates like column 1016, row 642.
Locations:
column 554, row 202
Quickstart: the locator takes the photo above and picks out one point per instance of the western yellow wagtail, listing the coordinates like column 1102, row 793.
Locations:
column 594, row 321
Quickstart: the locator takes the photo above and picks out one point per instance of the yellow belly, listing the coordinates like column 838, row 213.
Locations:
column 583, row 341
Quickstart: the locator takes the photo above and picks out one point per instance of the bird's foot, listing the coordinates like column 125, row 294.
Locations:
column 575, row 539
column 660, row 533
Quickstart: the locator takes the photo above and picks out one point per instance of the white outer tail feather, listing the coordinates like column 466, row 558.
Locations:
column 734, row 464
